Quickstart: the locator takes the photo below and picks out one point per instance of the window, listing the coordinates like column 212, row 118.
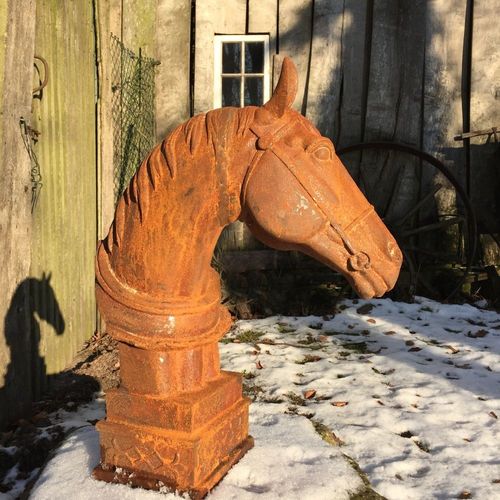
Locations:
column 241, row 73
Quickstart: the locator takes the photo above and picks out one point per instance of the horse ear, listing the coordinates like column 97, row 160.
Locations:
column 286, row 90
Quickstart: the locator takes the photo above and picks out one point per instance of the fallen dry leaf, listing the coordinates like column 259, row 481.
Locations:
column 323, row 338
column 414, row 349
column 387, row 372
column 258, row 364
column 310, row 393
column 364, row 309
column 478, row 334
column 465, row 494
column 371, row 320
column 493, row 414
column 391, row 332
column 339, row 403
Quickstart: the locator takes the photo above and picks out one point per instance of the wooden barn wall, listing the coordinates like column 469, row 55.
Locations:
column 62, row 303
column 17, row 22
column 372, row 70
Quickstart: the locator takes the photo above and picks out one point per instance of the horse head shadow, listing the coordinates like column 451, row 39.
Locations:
column 33, row 302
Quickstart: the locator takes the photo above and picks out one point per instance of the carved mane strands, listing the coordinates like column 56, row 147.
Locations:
column 199, row 130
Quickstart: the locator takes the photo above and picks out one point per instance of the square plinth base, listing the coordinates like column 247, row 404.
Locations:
column 187, row 442
column 163, row 484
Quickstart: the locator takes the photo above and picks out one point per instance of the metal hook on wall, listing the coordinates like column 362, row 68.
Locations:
column 46, row 74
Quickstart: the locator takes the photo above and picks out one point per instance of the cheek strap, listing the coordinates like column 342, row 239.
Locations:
column 253, row 165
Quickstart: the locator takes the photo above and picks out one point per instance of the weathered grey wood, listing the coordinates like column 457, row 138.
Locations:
column 325, row 76
column 17, row 29
column 172, row 77
column 443, row 69
column 395, row 80
column 355, row 63
column 295, row 41
column 442, row 92
column 262, row 18
column 139, row 26
column 394, row 108
column 108, row 20
column 212, row 18
column 485, row 113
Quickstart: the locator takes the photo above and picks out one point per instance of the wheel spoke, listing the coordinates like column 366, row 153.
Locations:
column 432, row 227
column 419, row 205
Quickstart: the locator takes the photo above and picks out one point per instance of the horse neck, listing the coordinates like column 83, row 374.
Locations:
column 170, row 217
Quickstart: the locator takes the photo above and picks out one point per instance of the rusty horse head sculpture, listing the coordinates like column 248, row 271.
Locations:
column 269, row 167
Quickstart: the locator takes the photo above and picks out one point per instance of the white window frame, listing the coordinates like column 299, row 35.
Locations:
column 218, row 41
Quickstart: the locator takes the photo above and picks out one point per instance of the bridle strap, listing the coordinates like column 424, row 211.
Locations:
column 268, row 142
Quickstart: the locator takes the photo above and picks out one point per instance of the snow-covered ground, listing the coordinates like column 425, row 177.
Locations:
column 411, row 390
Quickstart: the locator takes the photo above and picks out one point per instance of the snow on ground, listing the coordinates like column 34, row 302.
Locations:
column 412, row 391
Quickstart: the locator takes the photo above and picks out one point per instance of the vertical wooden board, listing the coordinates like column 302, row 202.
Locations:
column 108, row 20
column 396, row 71
column 442, row 91
column 173, row 35
column 323, row 90
column 295, row 41
column 64, row 232
column 443, row 70
column 263, row 18
column 394, row 102
column 485, row 113
column 17, row 22
column 355, row 62
column 139, row 26
column 212, row 19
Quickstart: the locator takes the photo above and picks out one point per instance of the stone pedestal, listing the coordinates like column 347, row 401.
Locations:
column 177, row 422
column 163, row 429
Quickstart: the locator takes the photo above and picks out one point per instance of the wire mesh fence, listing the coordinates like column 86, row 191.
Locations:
column 133, row 86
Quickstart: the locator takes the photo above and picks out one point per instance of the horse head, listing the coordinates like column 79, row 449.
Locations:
column 297, row 195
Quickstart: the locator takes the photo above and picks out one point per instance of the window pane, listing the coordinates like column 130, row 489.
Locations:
column 231, row 57
column 254, row 57
column 254, row 91
column 231, row 91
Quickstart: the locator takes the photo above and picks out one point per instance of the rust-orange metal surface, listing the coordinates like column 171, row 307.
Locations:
column 177, row 420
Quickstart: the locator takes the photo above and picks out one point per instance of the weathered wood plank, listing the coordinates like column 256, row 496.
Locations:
column 108, row 20
column 295, row 22
column 442, row 101
column 325, row 77
column 139, row 26
column 443, row 69
column 211, row 19
column 355, row 64
column 396, row 71
column 262, row 18
column 172, row 77
column 485, row 113
column 17, row 27
column 394, row 108
column 64, row 221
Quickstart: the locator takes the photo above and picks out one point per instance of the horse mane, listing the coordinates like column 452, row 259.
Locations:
column 206, row 130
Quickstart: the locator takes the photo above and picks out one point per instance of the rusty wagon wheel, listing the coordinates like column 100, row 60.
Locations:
column 424, row 207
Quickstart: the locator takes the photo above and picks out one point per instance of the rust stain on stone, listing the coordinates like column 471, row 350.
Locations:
column 177, row 420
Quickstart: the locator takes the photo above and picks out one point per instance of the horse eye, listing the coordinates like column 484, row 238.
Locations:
column 322, row 153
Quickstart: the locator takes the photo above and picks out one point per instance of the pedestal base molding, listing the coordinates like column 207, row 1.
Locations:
column 184, row 443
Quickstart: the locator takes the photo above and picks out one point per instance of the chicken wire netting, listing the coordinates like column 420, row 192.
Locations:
column 133, row 87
